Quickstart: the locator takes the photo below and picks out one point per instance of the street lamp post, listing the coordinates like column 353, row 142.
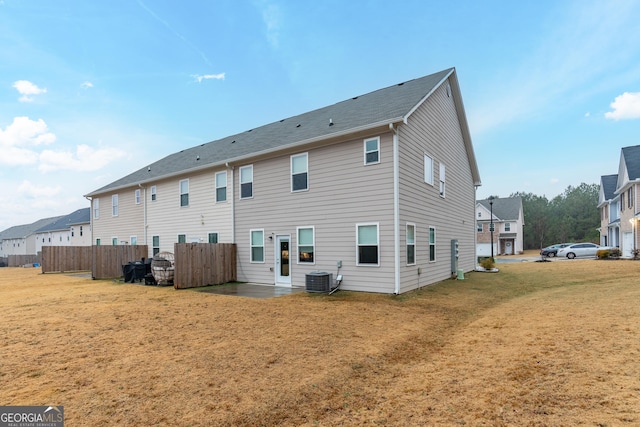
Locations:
column 491, row 224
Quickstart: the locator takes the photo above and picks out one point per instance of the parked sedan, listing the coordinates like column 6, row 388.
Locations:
column 553, row 249
column 580, row 250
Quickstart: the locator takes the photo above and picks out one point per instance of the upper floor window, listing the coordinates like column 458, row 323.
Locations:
column 80, row 230
column 507, row 226
column 184, row 192
column 372, row 151
column 479, row 214
column 442, row 179
column 221, row 186
column 137, row 196
column 154, row 194
column 299, row 172
column 629, row 198
column 428, row 169
column 479, row 227
column 246, row 182
column 114, row 205
column 96, row 208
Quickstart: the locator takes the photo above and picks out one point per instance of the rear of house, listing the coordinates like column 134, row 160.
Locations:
column 375, row 188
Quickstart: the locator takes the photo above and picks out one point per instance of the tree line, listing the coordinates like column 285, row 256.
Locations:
column 572, row 216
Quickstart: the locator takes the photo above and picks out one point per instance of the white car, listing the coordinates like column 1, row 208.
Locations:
column 580, row 250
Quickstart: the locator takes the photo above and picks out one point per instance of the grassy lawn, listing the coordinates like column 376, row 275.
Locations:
column 540, row 344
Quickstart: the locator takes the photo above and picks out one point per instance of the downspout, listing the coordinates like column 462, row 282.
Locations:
column 144, row 208
column 90, row 199
column 396, row 210
column 233, row 203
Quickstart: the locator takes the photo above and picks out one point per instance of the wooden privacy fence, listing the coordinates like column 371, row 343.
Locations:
column 108, row 260
column 20, row 260
column 65, row 258
column 203, row 264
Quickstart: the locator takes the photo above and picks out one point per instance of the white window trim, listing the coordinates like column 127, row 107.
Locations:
column 251, row 246
column 415, row 238
column 154, row 193
column 226, row 195
column 443, row 187
column 114, row 239
column 365, row 152
column 313, row 244
column 428, row 172
column 114, row 205
column 377, row 224
column 181, row 193
column 213, row 232
column 178, row 237
column 96, row 208
column 242, row 182
column 137, row 196
column 435, row 240
column 133, row 240
column 306, row 171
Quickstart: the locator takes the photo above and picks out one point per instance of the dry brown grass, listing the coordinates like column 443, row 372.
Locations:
column 538, row 344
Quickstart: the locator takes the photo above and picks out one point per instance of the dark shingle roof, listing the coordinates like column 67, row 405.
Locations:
column 609, row 184
column 24, row 230
column 380, row 107
column 81, row 216
column 505, row 209
column 631, row 157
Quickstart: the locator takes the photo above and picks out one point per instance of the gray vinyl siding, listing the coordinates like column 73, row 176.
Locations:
column 434, row 129
column 129, row 221
column 342, row 192
column 165, row 217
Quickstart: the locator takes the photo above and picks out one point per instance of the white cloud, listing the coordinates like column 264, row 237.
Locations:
column 23, row 132
column 200, row 77
column 85, row 159
column 86, row 85
column 625, row 106
column 272, row 18
column 30, row 190
column 26, row 88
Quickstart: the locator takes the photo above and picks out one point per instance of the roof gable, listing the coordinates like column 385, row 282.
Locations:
column 608, row 187
column 392, row 104
column 504, row 209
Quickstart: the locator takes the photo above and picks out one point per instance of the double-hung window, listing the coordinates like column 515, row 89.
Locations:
column 300, row 172
column 411, row 244
column 368, row 246
column 184, row 192
column 114, row 205
column 154, row 194
column 306, row 244
column 442, row 180
column 372, row 151
column 221, row 186
column 428, row 169
column 155, row 244
column 257, row 245
column 246, row 182
column 432, row 244
column 507, row 226
column 96, row 208
column 137, row 196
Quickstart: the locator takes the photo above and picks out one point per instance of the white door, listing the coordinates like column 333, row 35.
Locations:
column 627, row 245
column 282, row 267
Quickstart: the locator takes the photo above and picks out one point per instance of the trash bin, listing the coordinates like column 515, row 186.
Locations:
column 460, row 274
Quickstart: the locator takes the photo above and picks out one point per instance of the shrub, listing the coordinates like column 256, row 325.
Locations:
column 615, row 253
column 487, row 263
column 602, row 254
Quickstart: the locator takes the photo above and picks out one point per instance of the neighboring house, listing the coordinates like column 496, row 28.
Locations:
column 69, row 230
column 376, row 187
column 21, row 239
column 619, row 212
column 609, row 205
column 508, row 219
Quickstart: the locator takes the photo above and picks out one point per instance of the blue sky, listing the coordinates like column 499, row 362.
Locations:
column 90, row 91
